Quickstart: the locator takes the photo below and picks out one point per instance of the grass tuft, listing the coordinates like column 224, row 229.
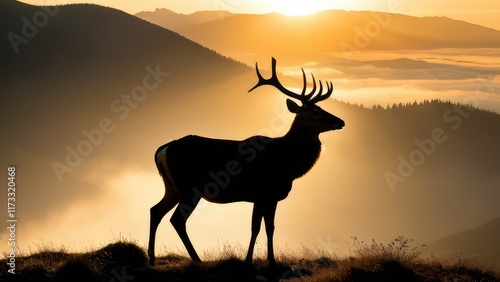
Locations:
column 124, row 260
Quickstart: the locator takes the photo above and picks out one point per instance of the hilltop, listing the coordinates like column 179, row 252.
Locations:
column 396, row 261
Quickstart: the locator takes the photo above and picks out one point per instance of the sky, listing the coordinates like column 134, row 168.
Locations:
column 483, row 12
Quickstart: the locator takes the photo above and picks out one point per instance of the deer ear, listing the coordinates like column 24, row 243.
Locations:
column 292, row 106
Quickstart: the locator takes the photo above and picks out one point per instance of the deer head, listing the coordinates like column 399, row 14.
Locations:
column 309, row 115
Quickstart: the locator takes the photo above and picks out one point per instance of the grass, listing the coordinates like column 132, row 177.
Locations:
column 124, row 260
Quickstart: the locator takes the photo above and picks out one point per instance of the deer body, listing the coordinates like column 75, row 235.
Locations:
column 258, row 169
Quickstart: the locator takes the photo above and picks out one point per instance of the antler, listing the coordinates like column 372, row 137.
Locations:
column 303, row 97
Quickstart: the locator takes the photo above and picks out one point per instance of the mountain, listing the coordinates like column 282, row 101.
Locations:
column 67, row 74
column 479, row 243
column 334, row 31
column 172, row 20
column 85, row 104
column 115, row 47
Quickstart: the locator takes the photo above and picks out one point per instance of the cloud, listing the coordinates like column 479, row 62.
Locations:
column 458, row 75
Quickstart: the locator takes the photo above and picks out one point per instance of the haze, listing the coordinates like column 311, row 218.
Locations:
column 483, row 12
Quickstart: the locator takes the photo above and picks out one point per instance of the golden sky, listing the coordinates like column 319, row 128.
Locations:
column 483, row 12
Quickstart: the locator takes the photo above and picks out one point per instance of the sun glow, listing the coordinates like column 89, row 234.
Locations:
column 298, row 7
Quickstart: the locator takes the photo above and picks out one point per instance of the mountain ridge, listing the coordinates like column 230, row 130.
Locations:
column 116, row 52
column 337, row 31
column 172, row 20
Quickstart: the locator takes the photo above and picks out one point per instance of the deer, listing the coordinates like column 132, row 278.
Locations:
column 259, row 169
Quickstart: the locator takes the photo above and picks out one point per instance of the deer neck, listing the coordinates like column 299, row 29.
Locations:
column 302, row 134
column 301, row 148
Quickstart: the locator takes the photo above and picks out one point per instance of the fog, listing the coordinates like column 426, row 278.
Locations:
column 469, row 76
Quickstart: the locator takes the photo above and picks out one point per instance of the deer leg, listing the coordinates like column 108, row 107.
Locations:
column 269, row 212
column 178, row 220
column 256, row 220
column 157, row 212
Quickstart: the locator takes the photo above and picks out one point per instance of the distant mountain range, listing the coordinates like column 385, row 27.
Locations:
column 327, row 31
column 418, row 170
column 172, row 20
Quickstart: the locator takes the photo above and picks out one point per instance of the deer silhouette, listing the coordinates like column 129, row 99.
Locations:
column 258, row 169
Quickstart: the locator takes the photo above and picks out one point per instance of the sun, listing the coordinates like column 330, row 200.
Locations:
column 298, row 7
